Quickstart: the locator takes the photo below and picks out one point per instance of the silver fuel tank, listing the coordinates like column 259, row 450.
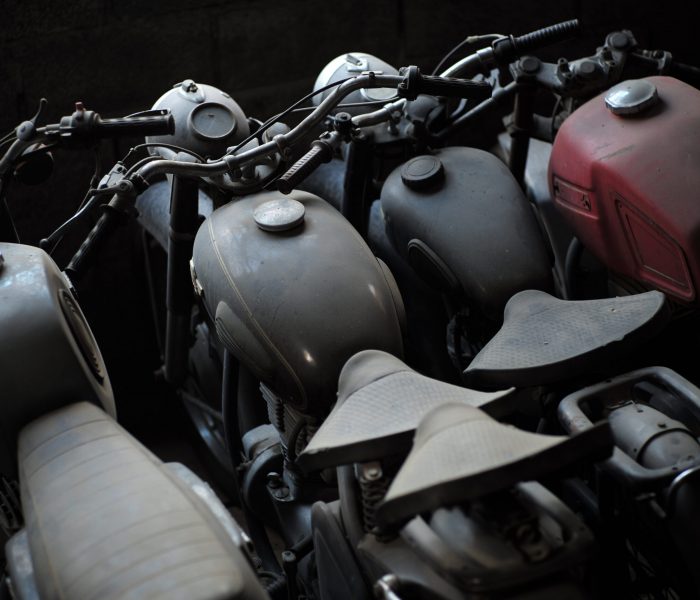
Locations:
column 294, row 292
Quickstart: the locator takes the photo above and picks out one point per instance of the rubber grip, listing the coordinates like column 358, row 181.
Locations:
column 547, row 35
column 136, row 126
column 687, row 73
column 104, row 226
column 453, row 88
column 508, row 49
column 300, row 170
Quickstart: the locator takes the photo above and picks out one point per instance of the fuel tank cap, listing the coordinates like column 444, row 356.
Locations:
column 279, row 215
column 422, row 172
column 631, row 97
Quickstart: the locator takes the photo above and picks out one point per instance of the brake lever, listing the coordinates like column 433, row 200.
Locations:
column 43, row 103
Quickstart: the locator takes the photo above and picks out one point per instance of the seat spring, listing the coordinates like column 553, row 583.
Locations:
column 373, row 487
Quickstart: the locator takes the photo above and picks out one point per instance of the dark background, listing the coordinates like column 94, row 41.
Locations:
column 119, row 56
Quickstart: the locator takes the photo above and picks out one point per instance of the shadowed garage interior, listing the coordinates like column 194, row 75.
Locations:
column 119, row 57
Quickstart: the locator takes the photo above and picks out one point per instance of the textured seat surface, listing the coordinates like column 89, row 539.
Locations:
column 544, row 339
column 105, row 519
column 460, row 453
column 380, row 402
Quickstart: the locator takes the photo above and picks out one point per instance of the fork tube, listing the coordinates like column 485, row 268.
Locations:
column 184, row 222
column 521, row 131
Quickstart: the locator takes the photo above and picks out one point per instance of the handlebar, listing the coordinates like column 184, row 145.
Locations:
column 121, row 202
column 413, row 84
column 87, row 126
column 280, row 143
column 507, row 49
column 321, row 151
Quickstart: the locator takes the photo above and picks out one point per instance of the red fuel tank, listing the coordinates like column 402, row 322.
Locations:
column 629, row 185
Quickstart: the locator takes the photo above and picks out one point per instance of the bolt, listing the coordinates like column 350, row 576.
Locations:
column 274, row 481
column 586, row 69
column 526, row 534
column 371, row 471
column 619, row 40
column 281, row 493
column 529, row 64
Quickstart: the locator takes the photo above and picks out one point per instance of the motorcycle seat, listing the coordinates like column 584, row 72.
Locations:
column 544, row 339
column 380, row 402
column 107, row 519
column 153, row 206
column 460, row 453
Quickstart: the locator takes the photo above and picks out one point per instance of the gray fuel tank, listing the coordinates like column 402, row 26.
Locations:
column 48, row 355
column 294, row 292
column 461, row 220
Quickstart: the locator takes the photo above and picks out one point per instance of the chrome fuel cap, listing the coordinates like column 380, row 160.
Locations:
column 631, row 97
column 279, row 215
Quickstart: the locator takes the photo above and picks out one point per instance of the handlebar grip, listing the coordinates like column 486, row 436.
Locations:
column 320, row 153
column 136, row 126
column 415, row 83
column 508, row 49
column 547, row 35
column 454, row 88
column 107, row 222
column 687, row 73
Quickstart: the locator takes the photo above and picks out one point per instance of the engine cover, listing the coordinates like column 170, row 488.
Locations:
column 294, row 292
column 460, row 219
column 628, row 185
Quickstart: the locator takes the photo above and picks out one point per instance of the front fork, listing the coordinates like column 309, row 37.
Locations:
column 184, row 222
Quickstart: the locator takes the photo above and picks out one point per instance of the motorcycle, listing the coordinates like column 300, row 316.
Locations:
column 246, row 269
